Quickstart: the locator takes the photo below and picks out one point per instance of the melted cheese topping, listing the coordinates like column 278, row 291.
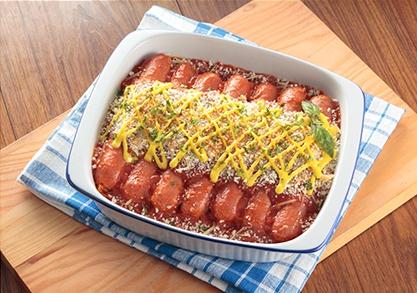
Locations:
column 224, row 132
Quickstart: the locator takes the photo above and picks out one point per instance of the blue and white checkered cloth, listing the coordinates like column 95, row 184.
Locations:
column 45, row 177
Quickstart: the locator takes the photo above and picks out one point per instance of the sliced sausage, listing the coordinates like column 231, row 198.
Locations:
column 167, row 194
column 237, row 86
column 139, row 182
column 287, row 222
column 257, row 211
column 207, row 81
column 109, row 167
column 197, row 197
column 183, row 75
column 226, row 206
column 157, row 68
column 325, row 104
column 293, row 94
column 265, row 91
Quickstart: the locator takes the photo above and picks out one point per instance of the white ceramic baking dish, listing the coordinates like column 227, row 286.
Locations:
column 141, row 44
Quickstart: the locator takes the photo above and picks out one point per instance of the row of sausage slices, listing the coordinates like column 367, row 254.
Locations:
column 158, row 67
column 167, row 193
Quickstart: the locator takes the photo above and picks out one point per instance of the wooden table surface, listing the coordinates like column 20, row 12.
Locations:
column 50, row 52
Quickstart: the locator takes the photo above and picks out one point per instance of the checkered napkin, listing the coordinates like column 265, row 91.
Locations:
column 45, row 177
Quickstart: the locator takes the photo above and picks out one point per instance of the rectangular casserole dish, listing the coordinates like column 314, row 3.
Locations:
column 141, row 44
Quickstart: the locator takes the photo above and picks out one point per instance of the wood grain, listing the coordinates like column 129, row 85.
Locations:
column 209, row 11
column 6, row 130
column 385, row 257
column 28, row 106
column 383, row 33
column 363, row 263
column 136, row 272
column 10, row 280
column 53, row 50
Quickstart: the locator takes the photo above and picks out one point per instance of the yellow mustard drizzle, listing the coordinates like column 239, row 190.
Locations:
column 225, row 122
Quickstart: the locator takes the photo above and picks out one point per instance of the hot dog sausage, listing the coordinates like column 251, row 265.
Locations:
column 207, row 81
column 139, row 182
column 257, row 210
column 197, row 198
column 157, row 68
column 292, row 94
column 265, row 91
column 287, row 222
column 226, row 206
column 237, row 86
column 325, row 104
column 166, row 196
column 109, row 167
column 292, row 107
column 292, row 97
column 183, row 75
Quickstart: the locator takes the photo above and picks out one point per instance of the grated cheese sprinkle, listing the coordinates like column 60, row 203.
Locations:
column 188, row 130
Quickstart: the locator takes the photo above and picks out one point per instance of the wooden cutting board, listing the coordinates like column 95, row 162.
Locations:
column 50, row 251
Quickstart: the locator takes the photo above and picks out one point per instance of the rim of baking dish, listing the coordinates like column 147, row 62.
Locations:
column 134, row 39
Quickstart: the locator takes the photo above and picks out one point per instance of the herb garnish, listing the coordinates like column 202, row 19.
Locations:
column 153, row 133
column 323, row 138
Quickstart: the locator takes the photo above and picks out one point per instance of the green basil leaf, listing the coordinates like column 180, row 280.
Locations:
column 310, row 109
column 324, row 139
